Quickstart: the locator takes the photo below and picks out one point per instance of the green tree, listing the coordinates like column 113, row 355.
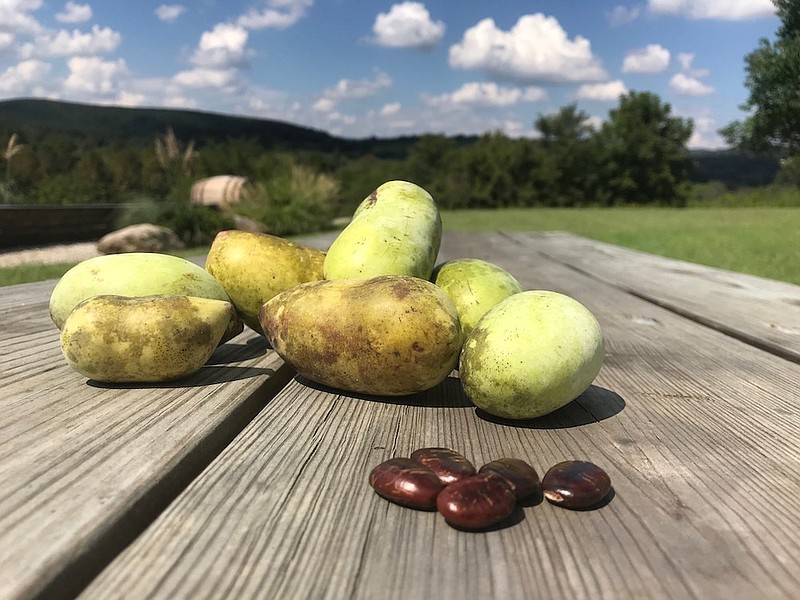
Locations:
column 773, row 79
column 573, row 155
column 646, row 156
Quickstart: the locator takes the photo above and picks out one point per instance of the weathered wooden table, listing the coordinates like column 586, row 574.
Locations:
column 243, row 482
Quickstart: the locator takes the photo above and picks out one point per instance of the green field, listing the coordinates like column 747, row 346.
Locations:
column 760, row 241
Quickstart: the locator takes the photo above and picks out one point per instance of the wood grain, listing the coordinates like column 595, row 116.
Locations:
column 699, row 432
column 84, row 467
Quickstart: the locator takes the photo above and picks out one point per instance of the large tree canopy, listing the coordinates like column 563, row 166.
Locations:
column 773, row 79
column 646, row 155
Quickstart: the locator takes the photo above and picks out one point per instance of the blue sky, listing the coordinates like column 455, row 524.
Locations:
column 360, row 68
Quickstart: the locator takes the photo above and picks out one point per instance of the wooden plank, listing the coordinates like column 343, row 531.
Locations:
column 84, row 468
column 763, row 312
column 699, row 432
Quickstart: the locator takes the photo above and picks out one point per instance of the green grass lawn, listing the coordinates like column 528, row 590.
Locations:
column 760, row 241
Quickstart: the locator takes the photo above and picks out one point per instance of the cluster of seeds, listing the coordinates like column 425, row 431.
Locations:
column 443, row 479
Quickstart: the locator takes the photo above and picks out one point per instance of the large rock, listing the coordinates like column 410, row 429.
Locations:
column 143, row 237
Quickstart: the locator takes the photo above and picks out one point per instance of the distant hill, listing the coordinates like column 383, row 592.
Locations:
column 97, row 124
column 33, row 119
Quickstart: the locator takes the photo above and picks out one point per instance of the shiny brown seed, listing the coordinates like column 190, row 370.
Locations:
column 576, row 484
column 449, row 465
column 476, row 502
column 406, row 482
column 522, row 477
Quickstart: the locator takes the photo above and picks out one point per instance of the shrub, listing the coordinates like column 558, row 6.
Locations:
column 298, row 200
column 194, row 225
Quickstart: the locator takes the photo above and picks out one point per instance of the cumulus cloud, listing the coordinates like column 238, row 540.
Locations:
column 653, row 58
column 74, row 13
column 620, row 15
column 487, row 95
column 686, row 62
column 535, row 49
column 20, row 78
column 222, row 47
column 169, row 12
column 602, row 92
column 729, row 10
column 221, row 79
column 689, row 86
column 93, row 75
column 6, row 39
column 407, row 25
column 276, row 14
column 352, row 89
column 99, row 40
column 15, row 17
column 705, row 133
column 390, row 109
column 130, row 99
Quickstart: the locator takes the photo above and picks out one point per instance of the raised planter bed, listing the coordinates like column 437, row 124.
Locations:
column 22, row 225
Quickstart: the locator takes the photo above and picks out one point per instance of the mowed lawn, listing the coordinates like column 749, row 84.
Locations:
column 760, row 241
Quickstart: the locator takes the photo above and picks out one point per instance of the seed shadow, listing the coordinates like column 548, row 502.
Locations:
column 208, row 375
column 592, row 406
column 515, row 518
column 448, row 394
column 596, row 506
column 233, row 352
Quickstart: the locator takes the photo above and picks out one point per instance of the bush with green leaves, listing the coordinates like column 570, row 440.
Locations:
column 194, row 225
column 297, row 200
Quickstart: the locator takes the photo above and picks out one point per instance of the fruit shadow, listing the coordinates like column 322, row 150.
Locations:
column 448, row 394
column 237, row 351
column 207, row 375
column 592, row 406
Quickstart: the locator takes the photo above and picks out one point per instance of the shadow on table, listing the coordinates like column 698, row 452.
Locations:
column 208, row 375
column 594, row 405
column 233, row 352
column 447, row 394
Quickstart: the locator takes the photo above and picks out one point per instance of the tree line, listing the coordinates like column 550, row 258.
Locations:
column 637, row 156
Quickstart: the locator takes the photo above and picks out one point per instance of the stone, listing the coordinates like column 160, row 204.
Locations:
column 142, row 237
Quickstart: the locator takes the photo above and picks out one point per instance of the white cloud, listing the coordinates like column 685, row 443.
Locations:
column 349, row 89
column 487, row 95
column 603, row 92
column 689, row 86
column 170, row 12
column 14, row 16
column 6, row 39
column 74, row 13
column 653, row 58
column 390, row 109
column 535, row 49
column 277, row 14
column 20, row 78
column 686, row 62
column 705, row 132
column 620, row 15
column 92, row 75
column 222, row 79
column 221, row 48
column 729, row 10
column 126, row 98
column 324, row 105
column 70, row 43
column 407, row 25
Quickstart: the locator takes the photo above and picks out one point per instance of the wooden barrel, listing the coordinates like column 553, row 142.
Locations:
column 220, row 191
